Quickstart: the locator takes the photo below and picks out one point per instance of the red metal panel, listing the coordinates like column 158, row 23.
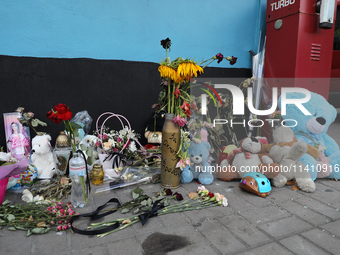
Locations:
column 299, row 48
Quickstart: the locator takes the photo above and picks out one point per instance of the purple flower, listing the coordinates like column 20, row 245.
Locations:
column 233, row 60
column 219, row 56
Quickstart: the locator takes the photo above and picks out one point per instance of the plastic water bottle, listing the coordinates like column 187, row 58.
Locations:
column 79, row 192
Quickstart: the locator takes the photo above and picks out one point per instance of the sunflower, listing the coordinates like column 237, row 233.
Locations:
column 188, row 69
column 167, row 72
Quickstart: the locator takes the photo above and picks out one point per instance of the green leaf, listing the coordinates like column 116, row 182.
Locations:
column 26, row 116
column 12, row 228
column 166, row 201
column 6, row 202
column 135, row 195
column 126, row 210
column 41, row 122
column 144, row 202
column 89, row 151
column 83, row 147
column 149, row 202
column 10, row 217
column 136, row 211
column 34, row 123
column 40, row 230
column 20, row 228
column 29, row 232
column 137, row 190
column 2, row 221
column 145, row 209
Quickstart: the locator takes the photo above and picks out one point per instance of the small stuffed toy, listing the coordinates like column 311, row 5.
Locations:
column 199, row 169
column 250, row 157
column 42, row 156
column 286, row 151
column 153, row 137
column 312, row 129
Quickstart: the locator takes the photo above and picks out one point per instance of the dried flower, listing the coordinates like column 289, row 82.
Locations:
column 179, row 121
column 178, row 196
column 167, row 192
column 219, row 56
column 166, row 43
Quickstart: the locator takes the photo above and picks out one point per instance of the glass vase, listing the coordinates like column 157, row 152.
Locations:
column 170, row 175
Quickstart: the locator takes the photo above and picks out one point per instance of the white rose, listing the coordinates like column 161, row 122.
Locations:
column 27, row 196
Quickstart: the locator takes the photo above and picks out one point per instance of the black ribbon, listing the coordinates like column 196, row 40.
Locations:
column 95, row 215
column 117, row 158
column 154, row 212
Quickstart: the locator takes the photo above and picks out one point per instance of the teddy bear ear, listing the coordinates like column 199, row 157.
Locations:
column 207, row 145
column 292, row 95
column 334, row 113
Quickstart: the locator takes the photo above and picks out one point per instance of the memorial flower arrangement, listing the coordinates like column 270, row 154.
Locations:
column 36, row 218
column 174, row 98
column 123, row 141
column 62, row 112
column 10, row 165
column 160, row 205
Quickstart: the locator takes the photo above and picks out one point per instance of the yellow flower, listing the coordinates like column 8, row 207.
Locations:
column 167, row 72
column 189, row 69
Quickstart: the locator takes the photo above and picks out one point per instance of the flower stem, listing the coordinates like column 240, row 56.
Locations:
column 82, row 180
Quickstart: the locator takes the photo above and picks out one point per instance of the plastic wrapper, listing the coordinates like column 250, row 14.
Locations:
column 132, row 175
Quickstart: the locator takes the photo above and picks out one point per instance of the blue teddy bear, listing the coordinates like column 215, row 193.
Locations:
column 200, row 169
column 312, row 130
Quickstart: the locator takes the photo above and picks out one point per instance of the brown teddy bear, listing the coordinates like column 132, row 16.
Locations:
column 249, row 157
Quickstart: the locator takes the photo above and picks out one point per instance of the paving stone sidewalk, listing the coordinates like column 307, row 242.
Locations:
column 285, row 222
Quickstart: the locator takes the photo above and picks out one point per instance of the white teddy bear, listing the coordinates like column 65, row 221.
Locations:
column 287, row 153
column 42, row 156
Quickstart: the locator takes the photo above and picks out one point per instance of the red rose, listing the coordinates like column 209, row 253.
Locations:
column 178, row 196
column 54, row 117
column 64, row 112
column 168, row 192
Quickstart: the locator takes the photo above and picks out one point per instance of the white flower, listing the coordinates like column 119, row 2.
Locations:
column 224, row 201
column 5, row 156
column 113, row 143
column 200, row 188
column 38, row 199
column 27, row 196
column 132, row 147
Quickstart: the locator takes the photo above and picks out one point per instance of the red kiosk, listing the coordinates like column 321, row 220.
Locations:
column 299, row 45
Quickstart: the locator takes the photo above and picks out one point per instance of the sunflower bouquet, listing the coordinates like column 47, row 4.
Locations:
column 177, row 76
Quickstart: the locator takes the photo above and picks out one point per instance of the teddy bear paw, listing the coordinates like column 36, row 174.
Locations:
column 186, row 176
column 279, row 181
column 305, row 184
column 298, row 150
column 205, row 178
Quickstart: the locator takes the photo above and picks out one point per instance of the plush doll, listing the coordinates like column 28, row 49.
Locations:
column 250, row 157
column 312, row 130
column 286, row 151
column 199, row 169
column 42, row 156
column 153, row 137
